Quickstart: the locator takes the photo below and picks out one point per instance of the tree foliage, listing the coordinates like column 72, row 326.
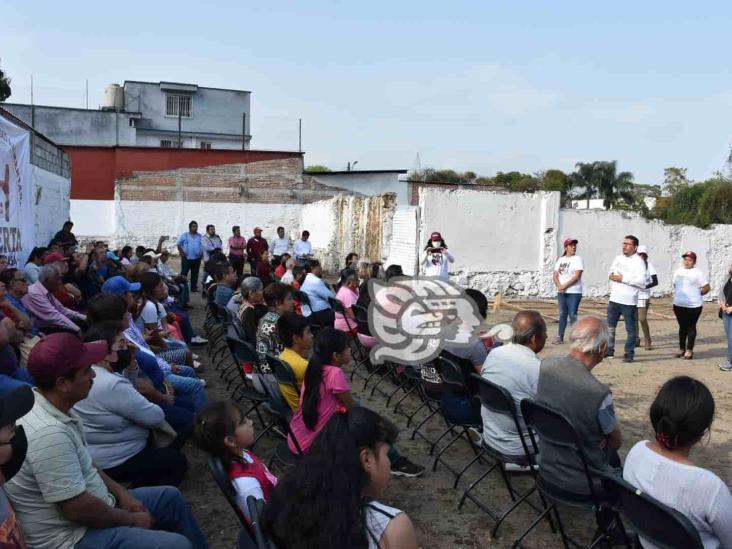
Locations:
column 5, row 90
column 701, row 204
column 317, row 168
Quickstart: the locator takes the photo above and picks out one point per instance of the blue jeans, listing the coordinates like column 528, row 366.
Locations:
column 194, row 266
column 568, row 305
column 177, row 526
column 188, row 386
column 628, row 312
column 186, row 328
column 727, row 321
column 460, row 408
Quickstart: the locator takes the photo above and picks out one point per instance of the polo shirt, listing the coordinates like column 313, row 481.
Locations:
column 191, row 245
column 57, row 467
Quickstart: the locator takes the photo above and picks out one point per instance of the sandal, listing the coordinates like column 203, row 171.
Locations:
column 680, row 354
column 688, row 355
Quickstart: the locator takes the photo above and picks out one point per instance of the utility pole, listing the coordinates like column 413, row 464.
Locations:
column 87, row 94
column 33, row 108
column 243, row 131
column 180, row 112
column 299, row 135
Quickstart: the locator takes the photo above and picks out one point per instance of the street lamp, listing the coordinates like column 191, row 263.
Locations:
column 352, row 165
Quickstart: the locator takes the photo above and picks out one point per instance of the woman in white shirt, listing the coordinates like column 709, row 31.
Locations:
column 644, row 300
column 682, row 415
column 690, row 284
column 568, row 280
column 436, row 256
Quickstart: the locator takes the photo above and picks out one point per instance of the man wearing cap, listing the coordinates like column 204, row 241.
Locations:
column 436, row 256
column 627, row 276
column 211, row 242
column 62, row 500
column 190, row 249
column 303, row 249
column 13, row 448
column 49, row 314
column 256, row 245
column 568, row 280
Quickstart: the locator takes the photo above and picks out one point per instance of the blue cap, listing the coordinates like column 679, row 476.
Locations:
column 119, row 285
column 110, row 255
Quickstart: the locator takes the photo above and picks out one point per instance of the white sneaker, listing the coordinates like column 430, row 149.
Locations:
column 515, row 468
column 726, row 366
column 198, row 366
column 202, row 382
column 476, row 436
column 198, row 340
column 195, row 356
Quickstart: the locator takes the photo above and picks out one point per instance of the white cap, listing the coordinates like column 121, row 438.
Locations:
column 151, row 254
column 642, row 250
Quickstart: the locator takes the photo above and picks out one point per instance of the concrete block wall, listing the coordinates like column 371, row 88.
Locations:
column 51, row 195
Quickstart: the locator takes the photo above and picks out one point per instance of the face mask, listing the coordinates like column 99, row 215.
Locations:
column 436, row 243
column 19, row 444
column 123, row 360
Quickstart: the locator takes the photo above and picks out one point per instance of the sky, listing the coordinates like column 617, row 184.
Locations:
column 467, row 85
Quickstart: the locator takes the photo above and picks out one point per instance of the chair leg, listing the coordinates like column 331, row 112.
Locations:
column 546, row 513
column 408, row 392
column 447, row 446
column 478, row 457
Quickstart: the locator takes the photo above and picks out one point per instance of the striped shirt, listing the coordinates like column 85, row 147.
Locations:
column 58, row 467
column 377, row 518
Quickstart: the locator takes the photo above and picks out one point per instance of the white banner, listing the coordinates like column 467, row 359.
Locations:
column 17, row 219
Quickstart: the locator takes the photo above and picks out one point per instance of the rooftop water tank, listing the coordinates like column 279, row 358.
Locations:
column 114, row 98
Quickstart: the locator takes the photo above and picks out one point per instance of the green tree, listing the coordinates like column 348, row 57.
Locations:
column 585, row 177
column 5, row 90
column 614, row 186
column 317, row 168
column 556, row 180
column 674, row 179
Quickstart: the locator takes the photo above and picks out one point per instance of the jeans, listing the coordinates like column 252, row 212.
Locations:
column 152, row 467
column 180, row 416
column 190, row 387
column 193, row 265
column 687, row 317
column 177, row 527
column 568, row 305
column 628, row 312
column 460, row 409
column 186, row 327
column 727, row 321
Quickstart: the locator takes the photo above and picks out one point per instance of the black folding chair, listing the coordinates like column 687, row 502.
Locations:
column 221, row 476
column 497, row 399
column 245, row 540
column 283, row 456
column 255, row 507
column 304, row 300
column 359, row 352
column 554, row 428
column 654, row 521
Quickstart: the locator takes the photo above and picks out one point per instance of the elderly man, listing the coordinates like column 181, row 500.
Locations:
column 49, row 314
column 566, row 384
column 516, row 368
column 61, row 499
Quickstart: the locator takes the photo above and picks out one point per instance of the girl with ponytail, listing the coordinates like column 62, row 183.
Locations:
column 328, row 500
column 681, row 416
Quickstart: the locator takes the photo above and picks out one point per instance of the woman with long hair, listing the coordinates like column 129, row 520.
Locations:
column 329, row 500
column 644, row 300
column 682, row 416
column 436, row 256
column 568, row 280
column 690, row 285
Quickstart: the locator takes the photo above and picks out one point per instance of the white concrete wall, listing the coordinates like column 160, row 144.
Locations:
column 402, row 249
column 93, row 218
column 51, row 196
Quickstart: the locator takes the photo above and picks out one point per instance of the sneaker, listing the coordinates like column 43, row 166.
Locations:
column 202, row 382
column 476, row 435
column 195, row 356
column 198, row 366
column 516, row 468
column 726, row 366
column 198, row 340
column 405, row 468
column 610, row 354
column 557, row 341
column 627, row 358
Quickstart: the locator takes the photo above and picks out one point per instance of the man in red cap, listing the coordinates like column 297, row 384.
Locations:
column 62, row 500
column 436, row 256
column 256, row 245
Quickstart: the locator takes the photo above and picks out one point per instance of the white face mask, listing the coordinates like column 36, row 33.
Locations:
column 436, row 243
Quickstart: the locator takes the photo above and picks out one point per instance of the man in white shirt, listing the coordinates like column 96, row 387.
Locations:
column 303, row 249
column 627, row 276
column 280, row 245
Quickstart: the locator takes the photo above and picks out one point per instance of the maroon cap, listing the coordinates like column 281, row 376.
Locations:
column 569, row 241
column 435, row 236
column 54, row 257
column 257, row 229
column 61, row 353
column 692, row 255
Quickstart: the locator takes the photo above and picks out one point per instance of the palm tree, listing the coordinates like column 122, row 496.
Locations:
column 585, row 177
column 613, row 185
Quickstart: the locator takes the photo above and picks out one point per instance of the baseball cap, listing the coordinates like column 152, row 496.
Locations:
column 61, row 353
column 15, row 404
column 151, row 254
column 435, row 236
column 569, row 241
column 119, row 285
column 54, row 257
column 692, row 255
column 257, row 229
column 642, row 249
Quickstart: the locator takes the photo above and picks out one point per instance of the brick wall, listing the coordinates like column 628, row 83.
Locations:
column 415, row 186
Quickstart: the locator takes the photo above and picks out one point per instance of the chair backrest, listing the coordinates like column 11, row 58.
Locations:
column 245, row 540
column 451, row 373
column 243, row 350
column 255, row 507
column 336, row 305
column 221, row 476
column 659, row 523
column 281, row 370
column 361, row 313
column 304, row 299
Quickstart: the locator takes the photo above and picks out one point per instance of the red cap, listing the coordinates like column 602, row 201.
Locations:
column 61, row 353
column 54, row 257
column 435, row 236
column 257, row 229
column 569, row 241
column 692, row 255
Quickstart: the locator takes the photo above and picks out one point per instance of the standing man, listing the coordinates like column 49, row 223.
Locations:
column 255, row 247
column 65, row 236
column 211, row 242
column 303, row 249
column 237, row 248
column 627, row 276
column 280, row 245
column 190, row 249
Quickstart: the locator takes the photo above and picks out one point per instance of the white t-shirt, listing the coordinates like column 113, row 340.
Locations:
column 650, row 273
column 436, row 263
column 566, row 268
column 150, row 314
column 698, row 494
column 633, row 270
column 687, row 287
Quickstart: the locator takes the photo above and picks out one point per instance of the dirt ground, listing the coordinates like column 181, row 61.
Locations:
column 431, row 501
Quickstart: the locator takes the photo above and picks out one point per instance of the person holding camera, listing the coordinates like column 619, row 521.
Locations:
column 436, row 257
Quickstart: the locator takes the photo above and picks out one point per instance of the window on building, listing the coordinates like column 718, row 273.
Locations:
column 205, row 144
column 178, row 103
column 166, row 143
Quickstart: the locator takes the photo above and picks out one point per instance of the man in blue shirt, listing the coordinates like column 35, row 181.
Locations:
column 318, row 293
column 191, row 252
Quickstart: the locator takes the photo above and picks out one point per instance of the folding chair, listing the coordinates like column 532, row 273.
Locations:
column 255, row 507
column 304, row 300
column 553, row 427
column 283, row 456
column 498, row 400
column 245, row 540
column 359, row 352
column 221, row 476
column 430, row 392
column 654, row 521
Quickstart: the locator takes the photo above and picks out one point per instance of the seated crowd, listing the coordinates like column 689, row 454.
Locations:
column 105, row 341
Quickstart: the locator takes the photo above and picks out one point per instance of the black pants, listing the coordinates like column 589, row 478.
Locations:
column 193, row 265
column 687, row 318
column 237, row 261
column 152, row 467
column 324, row 318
